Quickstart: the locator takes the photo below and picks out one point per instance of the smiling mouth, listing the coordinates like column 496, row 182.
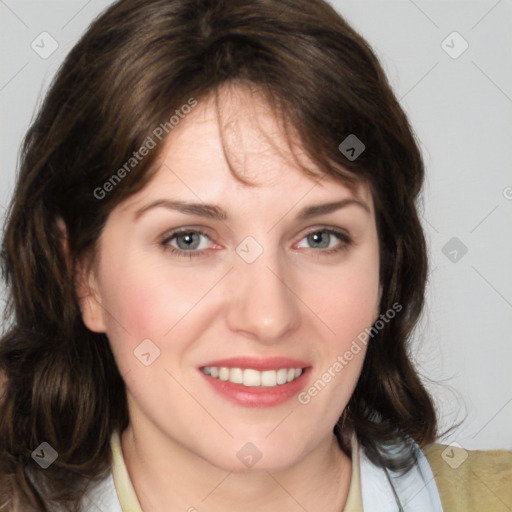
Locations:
column 253, row 378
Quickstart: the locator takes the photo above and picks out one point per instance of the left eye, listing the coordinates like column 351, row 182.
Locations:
column 323, row 239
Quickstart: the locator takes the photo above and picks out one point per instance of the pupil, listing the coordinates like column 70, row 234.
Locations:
column 318, row 238
column 188, row 239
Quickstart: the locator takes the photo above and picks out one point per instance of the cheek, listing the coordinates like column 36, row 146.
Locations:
column 348, row 301
column 348, row 304
column 146, row 299
column 150, row 300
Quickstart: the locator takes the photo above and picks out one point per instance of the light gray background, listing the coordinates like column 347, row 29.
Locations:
column 461, row 110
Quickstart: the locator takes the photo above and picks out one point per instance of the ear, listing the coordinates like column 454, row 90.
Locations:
column 89, row 298
column 86, row 287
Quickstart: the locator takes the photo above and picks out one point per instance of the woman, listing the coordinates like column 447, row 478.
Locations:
column 215, row 263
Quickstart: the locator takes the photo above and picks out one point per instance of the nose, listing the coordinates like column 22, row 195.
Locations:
column 262, row 302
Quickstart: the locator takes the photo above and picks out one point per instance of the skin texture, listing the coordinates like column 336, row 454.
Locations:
column 293, row 300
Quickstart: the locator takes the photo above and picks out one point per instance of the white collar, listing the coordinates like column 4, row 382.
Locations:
column 416, row 490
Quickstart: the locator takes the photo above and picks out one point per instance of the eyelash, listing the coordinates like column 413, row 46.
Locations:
column 344, row 237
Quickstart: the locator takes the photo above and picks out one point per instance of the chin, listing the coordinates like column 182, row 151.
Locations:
column 258, row 455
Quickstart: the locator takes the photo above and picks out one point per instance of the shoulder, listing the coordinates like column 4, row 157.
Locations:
column 471, row 480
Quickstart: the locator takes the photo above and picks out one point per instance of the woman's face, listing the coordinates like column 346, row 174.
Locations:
column 261, row 281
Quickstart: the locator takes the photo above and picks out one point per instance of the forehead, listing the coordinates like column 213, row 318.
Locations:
column 239, row 133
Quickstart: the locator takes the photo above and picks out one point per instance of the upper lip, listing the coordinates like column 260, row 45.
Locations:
column 258, row 363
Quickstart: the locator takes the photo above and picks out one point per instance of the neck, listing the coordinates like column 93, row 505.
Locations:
column 168, row 477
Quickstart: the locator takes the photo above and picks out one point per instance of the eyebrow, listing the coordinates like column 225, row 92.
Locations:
column 216, row 212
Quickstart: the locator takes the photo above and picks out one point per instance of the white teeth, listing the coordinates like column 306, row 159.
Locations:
column 281, row 375
column 253, row 378
column 269, row 378
column 236, row 375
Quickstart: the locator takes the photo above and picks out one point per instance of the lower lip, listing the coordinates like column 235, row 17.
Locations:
column 258, row 396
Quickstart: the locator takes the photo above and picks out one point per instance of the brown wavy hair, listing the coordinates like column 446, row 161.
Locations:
column 135, row 65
